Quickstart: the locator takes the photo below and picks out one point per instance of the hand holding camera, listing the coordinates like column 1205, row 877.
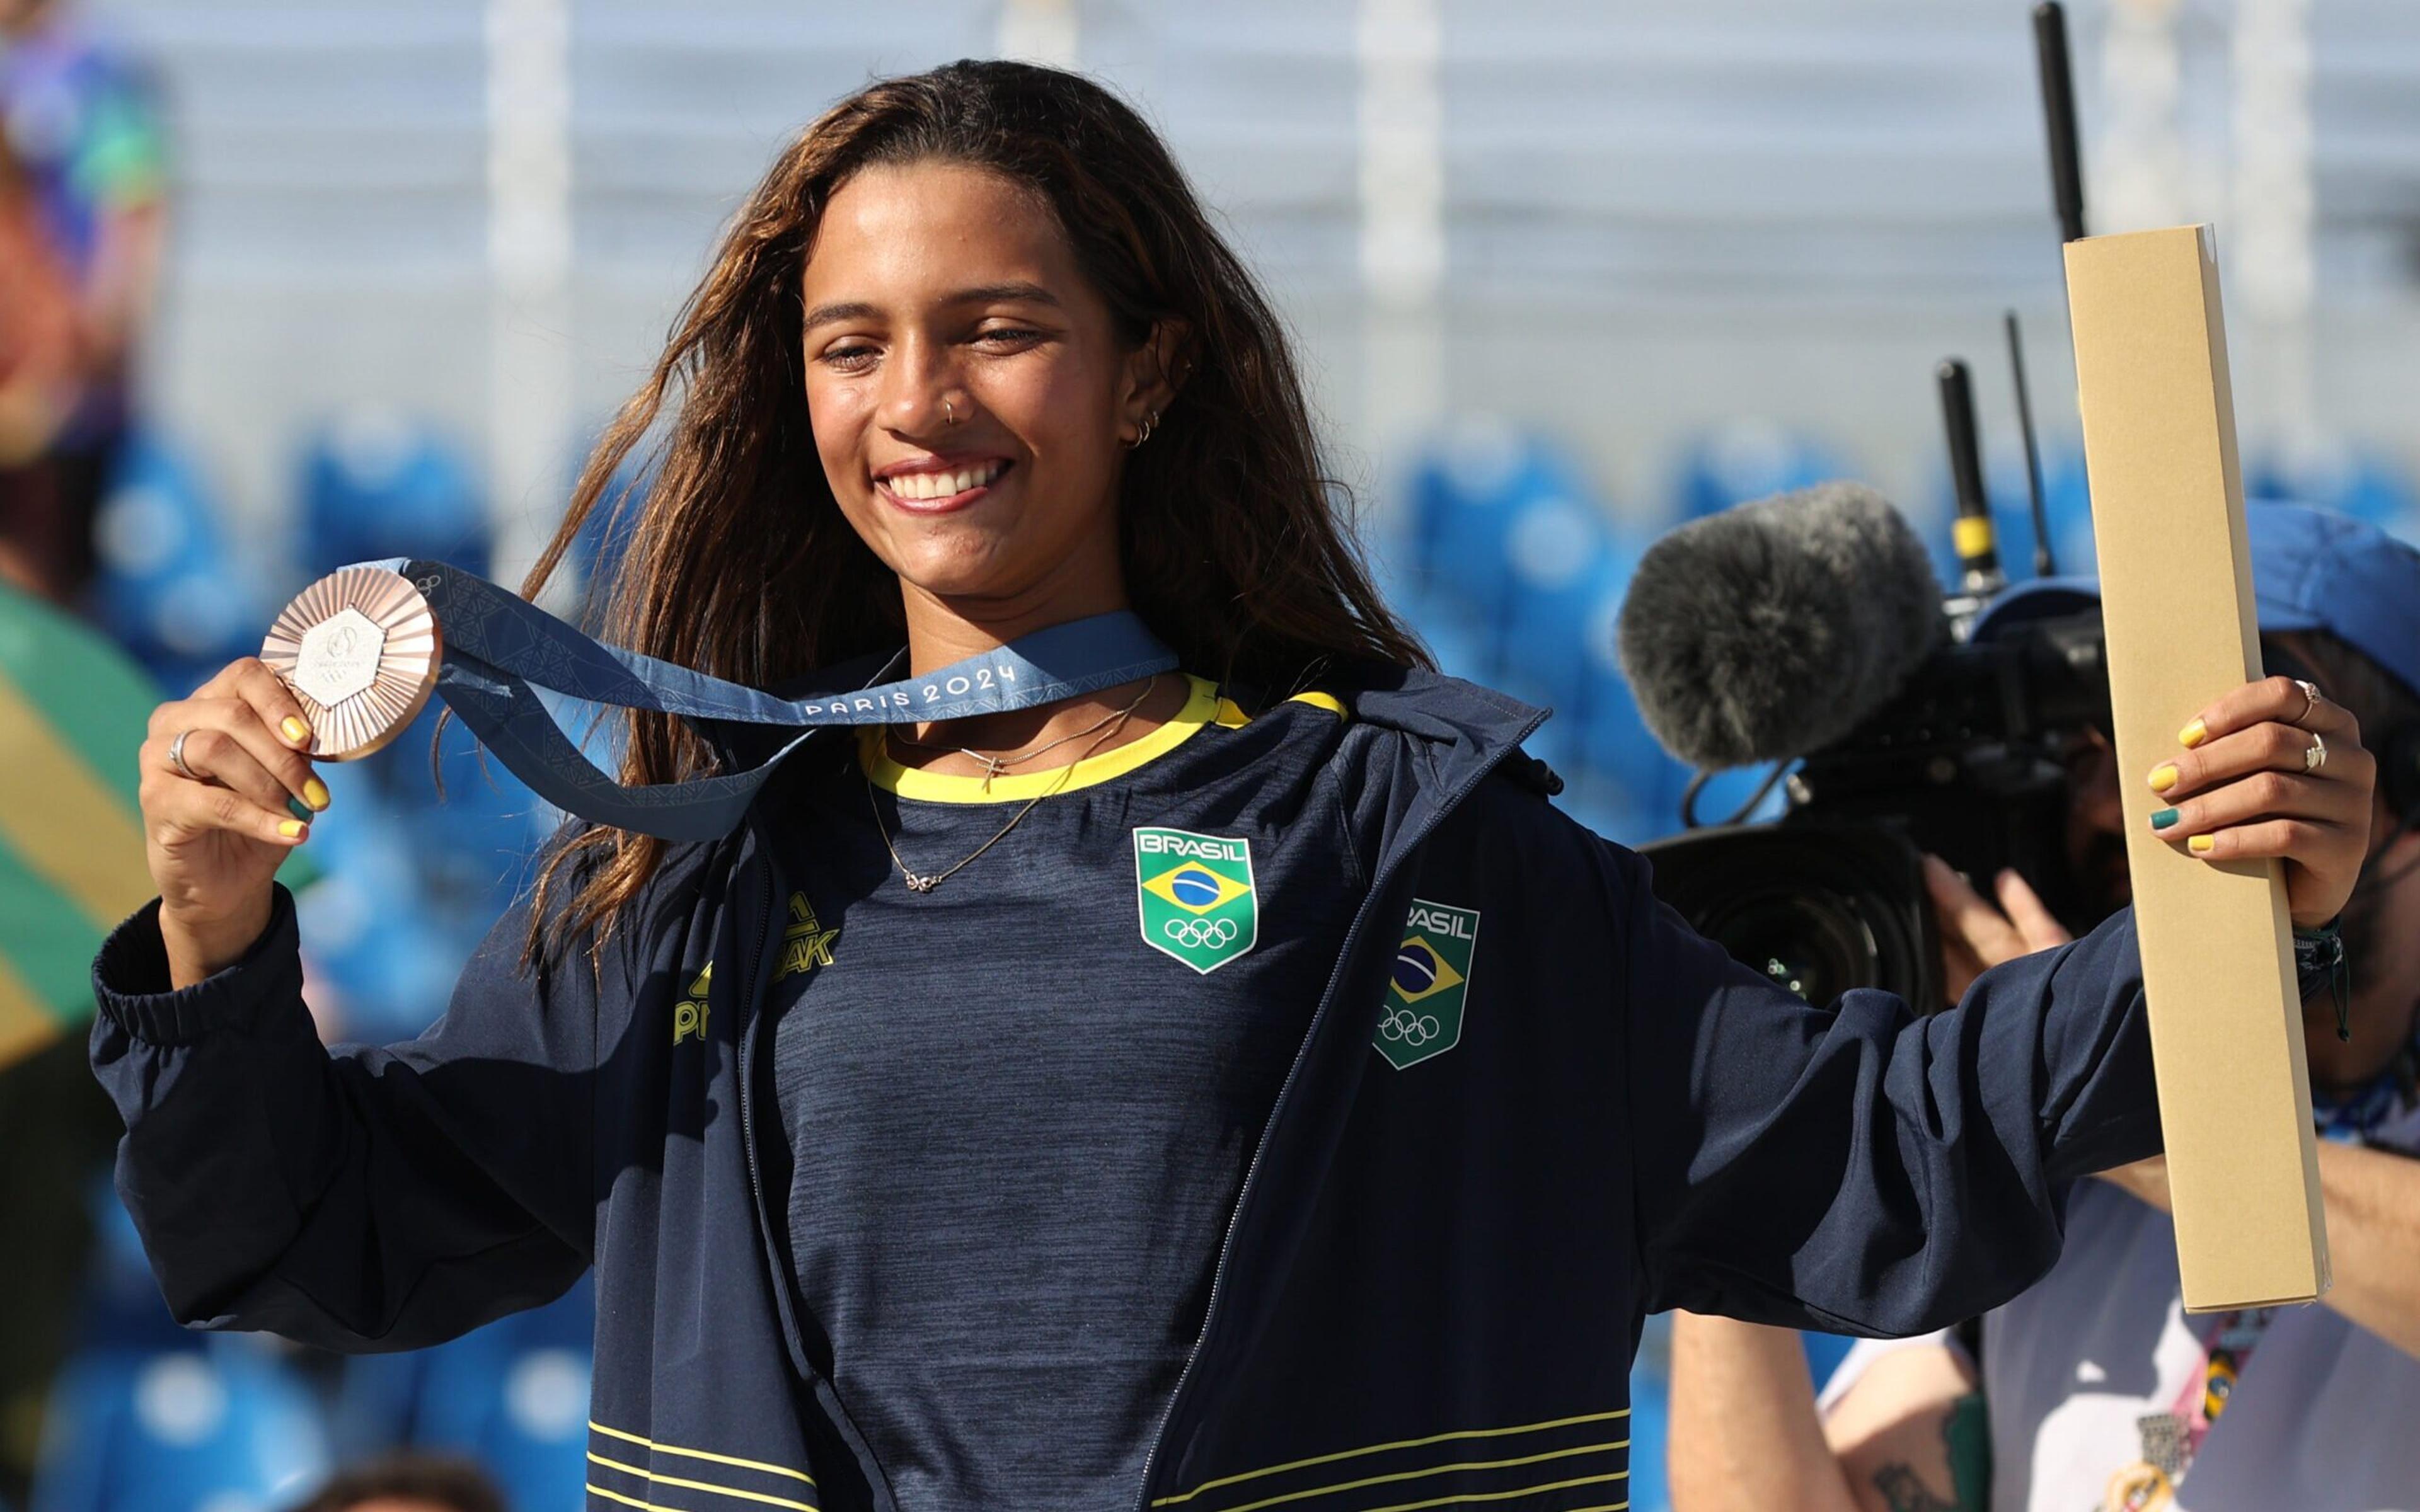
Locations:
column 2246, row 788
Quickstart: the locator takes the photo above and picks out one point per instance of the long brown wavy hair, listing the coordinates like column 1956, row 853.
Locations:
column 741, row 563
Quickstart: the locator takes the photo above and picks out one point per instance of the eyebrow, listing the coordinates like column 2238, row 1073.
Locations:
column 824, row 315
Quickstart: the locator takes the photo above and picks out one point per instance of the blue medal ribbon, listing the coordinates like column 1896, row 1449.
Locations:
column 499, row 647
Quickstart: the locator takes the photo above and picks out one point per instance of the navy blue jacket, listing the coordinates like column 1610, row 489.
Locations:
column 1434, row 1280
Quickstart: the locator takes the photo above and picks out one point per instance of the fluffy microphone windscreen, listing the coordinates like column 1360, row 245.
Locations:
column 1774, row 628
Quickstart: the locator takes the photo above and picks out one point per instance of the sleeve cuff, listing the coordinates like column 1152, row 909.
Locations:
column 130, row 979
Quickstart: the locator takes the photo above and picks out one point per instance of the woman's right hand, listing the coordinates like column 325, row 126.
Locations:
column 215, row 838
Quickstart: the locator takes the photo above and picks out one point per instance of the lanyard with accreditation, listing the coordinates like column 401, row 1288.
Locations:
column 364, row 647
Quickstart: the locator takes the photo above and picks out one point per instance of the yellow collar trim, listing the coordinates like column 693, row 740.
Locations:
column 1200, row 705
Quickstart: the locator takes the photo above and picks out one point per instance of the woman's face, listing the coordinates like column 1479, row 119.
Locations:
column 970, row 393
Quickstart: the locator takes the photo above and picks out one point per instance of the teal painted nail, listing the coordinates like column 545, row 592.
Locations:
column 303, row 811
column 2163, row 819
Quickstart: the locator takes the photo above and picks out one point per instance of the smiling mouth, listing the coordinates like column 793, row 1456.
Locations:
column 937, row 486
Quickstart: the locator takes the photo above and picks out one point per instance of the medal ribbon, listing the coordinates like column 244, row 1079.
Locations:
column 499, row 647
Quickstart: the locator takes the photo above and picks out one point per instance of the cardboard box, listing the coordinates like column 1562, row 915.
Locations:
column 2176, row 580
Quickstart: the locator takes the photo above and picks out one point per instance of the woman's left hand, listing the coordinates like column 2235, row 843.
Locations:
column 2244, row 790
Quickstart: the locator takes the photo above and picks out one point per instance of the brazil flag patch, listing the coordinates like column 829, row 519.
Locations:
column 1195, row 895
column 1422, row 1013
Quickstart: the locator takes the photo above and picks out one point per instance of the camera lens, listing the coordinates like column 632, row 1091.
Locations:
column 1811, row 943
column 1818, row 908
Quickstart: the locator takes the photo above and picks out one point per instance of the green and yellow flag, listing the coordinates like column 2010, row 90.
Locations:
column 73, row 711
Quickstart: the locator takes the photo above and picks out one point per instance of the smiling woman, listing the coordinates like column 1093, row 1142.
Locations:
column 1234, row 1089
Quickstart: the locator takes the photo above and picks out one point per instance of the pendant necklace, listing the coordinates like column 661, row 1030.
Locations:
column 921, row 881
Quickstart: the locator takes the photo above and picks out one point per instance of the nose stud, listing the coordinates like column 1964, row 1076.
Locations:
column 949, row 412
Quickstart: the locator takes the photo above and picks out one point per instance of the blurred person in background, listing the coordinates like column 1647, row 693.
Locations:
column 83, row 121
column 407, row 1483
column 1056, row 1108
column 71, row 860
column 2094, row 1388
column 39, row 375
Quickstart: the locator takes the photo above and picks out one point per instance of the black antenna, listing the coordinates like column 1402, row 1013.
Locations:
column 2059, row 115
column 2045, row 565
column 1979, row 552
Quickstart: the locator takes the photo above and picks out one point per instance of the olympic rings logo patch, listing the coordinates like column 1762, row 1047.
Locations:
column 1413, row 1029
column 1194, row 933
column 1196, row 896
column 1429, row 986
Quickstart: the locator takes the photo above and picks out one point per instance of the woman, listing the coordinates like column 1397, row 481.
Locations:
column 994, row 1121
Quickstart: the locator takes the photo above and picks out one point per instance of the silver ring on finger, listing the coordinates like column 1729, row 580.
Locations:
column 2310, row 701
column 177, row 757
column 2317, row 756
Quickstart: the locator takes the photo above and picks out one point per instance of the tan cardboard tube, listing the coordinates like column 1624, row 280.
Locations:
column 2175, row 594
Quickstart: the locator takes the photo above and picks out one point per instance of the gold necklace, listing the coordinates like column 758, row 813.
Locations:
column 920, row 881
column 998, row 765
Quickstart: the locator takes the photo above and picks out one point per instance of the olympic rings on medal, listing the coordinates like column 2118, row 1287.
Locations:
column 1193, row 934
column 1414, row 1029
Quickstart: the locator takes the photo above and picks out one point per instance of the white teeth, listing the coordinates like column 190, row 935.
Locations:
column 924, row 486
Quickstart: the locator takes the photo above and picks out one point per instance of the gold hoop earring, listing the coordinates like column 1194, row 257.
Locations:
column 1150, row 423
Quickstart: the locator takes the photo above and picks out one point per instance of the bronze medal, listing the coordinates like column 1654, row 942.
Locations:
column 359, row 650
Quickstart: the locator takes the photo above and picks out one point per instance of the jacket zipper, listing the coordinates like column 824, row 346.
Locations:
column 783, row 1280
column 1378, row 882
column 745, row 998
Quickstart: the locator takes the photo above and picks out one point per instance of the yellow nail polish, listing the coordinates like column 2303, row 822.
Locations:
column 292, row 828
column 314, row 793
column 2200, row 844
column 2163, row 777
column 295, row 730
column 2193, row 734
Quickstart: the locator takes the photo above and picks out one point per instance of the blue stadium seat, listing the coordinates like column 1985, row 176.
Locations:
column 1748, row 460
column 122, row 1310
column 375, row 934
column 473, row 823
column 1445, row 627
column 225, row 1428
column 377, row 484
column 170, row 588
column 1824, row 1352
column 515, row 1395
column 1465, row 492
column 1559, row 555
column 1651, row 1417
column 1633, row 786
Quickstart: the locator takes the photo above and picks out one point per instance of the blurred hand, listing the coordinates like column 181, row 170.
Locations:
column 215, row 838
column 2145, row 1181
column 2239, row 791
column 29, row 420
column 1975, row 935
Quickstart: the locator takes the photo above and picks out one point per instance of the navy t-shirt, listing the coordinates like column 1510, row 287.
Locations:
column 1020, row 1106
